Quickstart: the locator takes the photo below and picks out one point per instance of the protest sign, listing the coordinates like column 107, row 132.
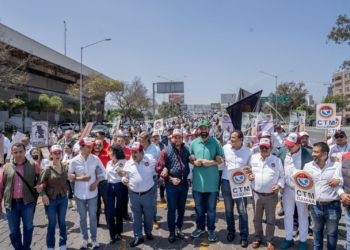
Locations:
column 297, row 121
column 325, row 115
column 249, row 123
column 226, row 122
column 331, row 131
column 304, row 187
column 39, row 133
column 158, row 127
column 239, row 183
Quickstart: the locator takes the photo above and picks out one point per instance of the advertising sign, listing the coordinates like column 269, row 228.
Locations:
column 239, row 183
column 297, row 121
column 331, row 131
column 265, row 123
column 304, row 187
column 214, row 106
column 176, row 98
column 170, row 87
column 325, row 115
column 226, row 122
column 39, row 133
column 228, row 98
column 249, row 123
column 158, row 126
column 184, row 107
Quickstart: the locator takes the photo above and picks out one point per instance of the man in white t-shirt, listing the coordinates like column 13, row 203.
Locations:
column 337, row 151
column 280, row 136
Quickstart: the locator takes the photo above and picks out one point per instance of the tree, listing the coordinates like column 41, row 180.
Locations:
column 296, row 96
column 169, row 109
column 12, row 73
column 340, row 100
column 53, row 103
column 132, row 96
column 95, row 86
column 309, row 110
column 341, row 33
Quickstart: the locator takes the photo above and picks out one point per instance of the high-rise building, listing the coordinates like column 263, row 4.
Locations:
column 341, row 85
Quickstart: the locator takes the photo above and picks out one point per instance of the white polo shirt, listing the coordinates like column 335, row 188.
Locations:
column 78, row 165
column 291, row 163
column 332, row 170
column 235, row 159
column 338, row 151
column 140, row 176
column 267, row 173
column 112, row 176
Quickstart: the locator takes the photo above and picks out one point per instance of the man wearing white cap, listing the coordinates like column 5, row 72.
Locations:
column 294, row 157
column 267, row 177
column 265, row 134
column 82, row 170
column 305, row 141
column 139, row 178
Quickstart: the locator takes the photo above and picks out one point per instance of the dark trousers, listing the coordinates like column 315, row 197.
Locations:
column 125, row 204
column 102, row 193
column 70, row 189
column 161, row 191
column 116, row 193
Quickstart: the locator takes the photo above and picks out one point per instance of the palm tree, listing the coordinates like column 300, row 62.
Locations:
column 48, row 103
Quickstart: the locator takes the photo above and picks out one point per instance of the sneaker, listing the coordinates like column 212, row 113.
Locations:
column 70, row 205
column 196, row 233
column 95, row 244
column 212, row 237
column 287, row 243
column 63, row 247
column 280, row 212
column 303, row 246
column 75, row 208
column 84, row 244
column 162, row 200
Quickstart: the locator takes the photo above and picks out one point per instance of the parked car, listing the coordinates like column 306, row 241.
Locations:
column 99, row 128
column 309, row 122
column 70, row 126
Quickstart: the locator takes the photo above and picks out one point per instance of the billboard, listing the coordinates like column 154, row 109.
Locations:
column 176, row 98
column 228, row 98
column 184, row 107
column 170, row 87
column 215, row 106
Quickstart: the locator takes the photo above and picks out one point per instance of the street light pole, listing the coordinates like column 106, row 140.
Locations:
column 81, row 79
column 275, row 76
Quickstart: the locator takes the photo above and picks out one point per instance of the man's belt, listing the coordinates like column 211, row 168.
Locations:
column 18, row 200
column 142, row 193
column 325, row 203
column 263, row 194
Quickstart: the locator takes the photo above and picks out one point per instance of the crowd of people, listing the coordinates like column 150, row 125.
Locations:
column 81, row 175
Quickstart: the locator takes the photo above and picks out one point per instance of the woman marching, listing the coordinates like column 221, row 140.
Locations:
column 54, row 197
column 116, row 192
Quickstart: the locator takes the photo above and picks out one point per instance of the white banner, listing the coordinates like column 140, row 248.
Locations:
column 39, row 133
column 331, row 131
column 158, row 126
column 304, row 187
column 239, row 183
column 17, row 138
column 297, row 121
column 249, row 123
column 325, row 115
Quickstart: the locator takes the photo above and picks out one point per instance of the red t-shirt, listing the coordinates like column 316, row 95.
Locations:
column 103, row 156
column 127, row 153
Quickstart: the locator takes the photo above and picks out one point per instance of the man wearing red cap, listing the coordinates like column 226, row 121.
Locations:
column 267, row 177
column 294, row 157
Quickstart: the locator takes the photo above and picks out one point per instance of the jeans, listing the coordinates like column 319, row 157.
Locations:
column 329, row 216
column 347, row 223
column 205, row 203
column 176, row 196
column 56, row 213
column 70, row 186
column 83, row 209
column 241, row 208
column 102, row 192
column 26, row 212
column 142, row 205
column 155, row 196
column 116, row 193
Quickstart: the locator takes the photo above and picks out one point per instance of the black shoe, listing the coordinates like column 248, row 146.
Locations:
column 310, row 231
column 149, row 237
column 280, row 212
column 136, row 242
column 171, row 237
column 127, row 217
column 295, row 232
column 112, row 241
column 230, row 237
column 180, row 234
column 118, row 237
column 98, row 225
column 244, row 243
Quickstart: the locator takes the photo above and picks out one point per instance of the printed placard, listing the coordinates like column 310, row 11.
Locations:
column 304, row 187
column 249, row 123
column 226, row 122
column 239, row 183
column 39, row 133
column 297, row 121
column 331, row 131
column 158, row 126
column 325, row 115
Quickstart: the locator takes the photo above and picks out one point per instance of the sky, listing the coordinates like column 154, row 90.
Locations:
column 218, row 45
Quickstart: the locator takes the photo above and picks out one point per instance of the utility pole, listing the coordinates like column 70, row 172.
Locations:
column 65, row 38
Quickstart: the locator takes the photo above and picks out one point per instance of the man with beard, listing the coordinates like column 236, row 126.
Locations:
column 305, row 141
column 173, row 166
column 206, row 154
column 327, row 211
column 267, row 177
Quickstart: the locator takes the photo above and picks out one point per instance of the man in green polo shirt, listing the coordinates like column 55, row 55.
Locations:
column 206, row 154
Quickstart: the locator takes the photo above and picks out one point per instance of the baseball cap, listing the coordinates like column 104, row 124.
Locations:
column 155, row 133
column 87, row 141
column 203, row 123
column 265, row 134
column 170, row 128
column 177, row 132
column 339, row 132
column 265, row 142
column 302, row 133
column 55, row 148
column 292, row 140
column 136, row 146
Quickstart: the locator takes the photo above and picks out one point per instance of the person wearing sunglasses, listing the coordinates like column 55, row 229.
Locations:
column 340, row 148
column 267, row 177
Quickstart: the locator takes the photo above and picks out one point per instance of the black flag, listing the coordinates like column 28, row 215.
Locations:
column 247, row 104
column 244, row 93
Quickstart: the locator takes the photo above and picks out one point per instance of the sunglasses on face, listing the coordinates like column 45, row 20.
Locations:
column 339, row 136
column 98, row 145
column 264, row 148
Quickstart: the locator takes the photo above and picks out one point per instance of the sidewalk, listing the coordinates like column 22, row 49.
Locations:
column 160, row 240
